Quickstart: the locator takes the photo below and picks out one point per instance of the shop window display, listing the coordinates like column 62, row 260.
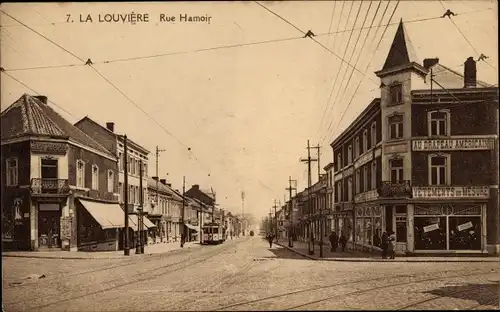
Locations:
column 430, row 233
column 465, row 233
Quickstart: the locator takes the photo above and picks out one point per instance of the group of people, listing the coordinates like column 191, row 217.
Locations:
column 335, row 241
column 388, row 243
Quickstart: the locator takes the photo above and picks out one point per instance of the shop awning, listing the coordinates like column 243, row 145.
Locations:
column 134, row 222
column 192, row 227
column 109, row 216
column 148, row 223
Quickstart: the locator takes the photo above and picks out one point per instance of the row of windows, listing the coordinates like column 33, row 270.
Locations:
column 134, row 194
column 439, row 173
column 365, row 180
column 362, row 144
column 80, row 176
column 133, row 165
column 438, row 124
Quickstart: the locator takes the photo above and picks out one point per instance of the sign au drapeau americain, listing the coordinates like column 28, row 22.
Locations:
column 453, row 144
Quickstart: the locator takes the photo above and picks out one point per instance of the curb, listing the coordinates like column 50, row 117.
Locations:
column 118, row 257
column 430, row 260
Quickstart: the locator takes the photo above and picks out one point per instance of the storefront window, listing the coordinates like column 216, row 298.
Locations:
column 430, row 233
column 368, row 231
column 448, row 227
column 377, row 231
column 359, row 231
column 465, row 233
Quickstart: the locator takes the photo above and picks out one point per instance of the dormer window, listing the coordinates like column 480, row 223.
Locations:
column 395, row 94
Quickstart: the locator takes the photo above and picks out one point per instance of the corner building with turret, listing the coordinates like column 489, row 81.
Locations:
column 421, row 160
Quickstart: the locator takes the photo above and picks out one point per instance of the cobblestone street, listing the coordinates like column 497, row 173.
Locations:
column 245, row 274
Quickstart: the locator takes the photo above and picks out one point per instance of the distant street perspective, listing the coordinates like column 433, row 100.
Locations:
column 244, row 274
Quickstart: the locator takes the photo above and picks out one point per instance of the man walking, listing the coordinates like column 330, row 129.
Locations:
column 334, row 241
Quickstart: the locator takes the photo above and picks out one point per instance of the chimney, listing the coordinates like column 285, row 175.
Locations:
column 155, row 178
column 429, row 62
column 169, row 184
column 470, row 73
column 41, row 98
column 196, row 187
column 163, row 181
column 110, row 126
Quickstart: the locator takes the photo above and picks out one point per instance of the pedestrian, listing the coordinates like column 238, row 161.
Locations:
column 334, row 241
column 384, row 245
column 342, row 241
column 392, row 245
column 270, row 239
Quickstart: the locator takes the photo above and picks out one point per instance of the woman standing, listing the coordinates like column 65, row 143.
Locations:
column 392, row 245
column 384, row 244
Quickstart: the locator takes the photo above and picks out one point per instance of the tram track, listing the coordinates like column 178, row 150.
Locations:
column 128, row 262
column 313, row 289
column 221, row 284
column 148, row 274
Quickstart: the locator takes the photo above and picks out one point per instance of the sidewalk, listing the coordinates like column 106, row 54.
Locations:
column 357, row 256
column 153, row 249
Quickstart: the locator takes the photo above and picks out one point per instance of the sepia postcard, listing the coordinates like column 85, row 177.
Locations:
column 250, row 155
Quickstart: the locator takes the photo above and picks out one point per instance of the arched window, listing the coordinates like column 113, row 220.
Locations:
column 438, row 123
column 396, row 123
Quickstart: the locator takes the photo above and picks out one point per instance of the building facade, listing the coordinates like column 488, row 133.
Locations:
column 56, row 181
column 136, row 155
column 422, row 160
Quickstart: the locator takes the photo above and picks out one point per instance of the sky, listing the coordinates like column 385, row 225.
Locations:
column 244, row 111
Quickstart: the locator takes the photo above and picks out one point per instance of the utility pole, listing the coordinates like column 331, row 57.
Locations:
column 290, row 211
column 275, row 220
column 270, row 222
column 243, row 211
column 309, row 182
column 158, row 151
column 318, row 148
column 139, row 248
column 183, row 233
column 126, row 248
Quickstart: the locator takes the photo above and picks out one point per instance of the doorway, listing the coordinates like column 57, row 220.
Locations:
column 49, row 219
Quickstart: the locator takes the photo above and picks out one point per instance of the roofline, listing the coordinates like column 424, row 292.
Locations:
column 328, row 166
column 58, row 140
column 411, row 65
column 116, row 135
column 485, row 84
column 457, row 90
column 374, row 104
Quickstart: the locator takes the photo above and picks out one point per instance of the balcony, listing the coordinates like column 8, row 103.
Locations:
column 395, row 189
column 49, row 186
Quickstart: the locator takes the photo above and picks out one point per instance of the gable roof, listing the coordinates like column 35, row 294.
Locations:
column 28, row 116
column 129, row 141
column 451, row 79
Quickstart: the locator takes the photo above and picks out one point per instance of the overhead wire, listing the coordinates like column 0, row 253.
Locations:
column 465, row 37
column 217, row 47
column 338, row 24
column 340, row 65
column 313, row 39
column 123, row 94
column 352, row 55
column 359, row 84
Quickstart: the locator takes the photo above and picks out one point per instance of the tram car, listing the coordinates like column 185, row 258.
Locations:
column 213, row 234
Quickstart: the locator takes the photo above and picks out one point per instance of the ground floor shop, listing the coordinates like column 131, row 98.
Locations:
column 70, row 223
column 426, row 227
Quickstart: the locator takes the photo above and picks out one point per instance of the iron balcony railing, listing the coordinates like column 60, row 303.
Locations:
column 395, row 189
column 49, row 186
